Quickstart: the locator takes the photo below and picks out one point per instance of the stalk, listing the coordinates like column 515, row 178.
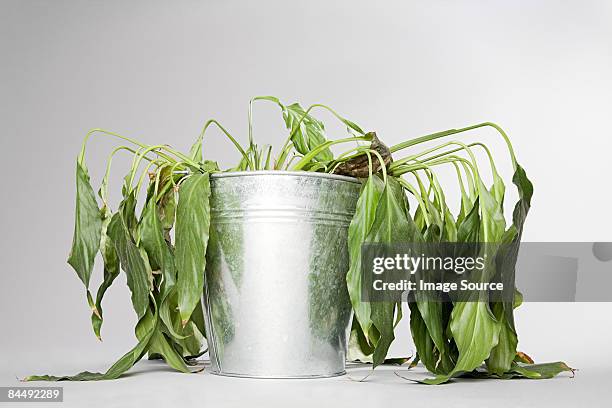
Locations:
column 104, row 185
column 449, row 132
column 475, row 144
column 229, row 136
column 414, row 157
column 138, row 158
column 286, row 145
column 295, row 156
column 380, row 160
column 416, row 195
column 314, row 152
column 81, row 157
column 268, row 154
column 146, row 172
column 278, row 163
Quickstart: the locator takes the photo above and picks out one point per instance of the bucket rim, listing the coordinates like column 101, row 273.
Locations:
column 251, row 173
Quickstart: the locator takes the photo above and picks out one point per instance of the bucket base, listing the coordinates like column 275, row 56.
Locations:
column 277, row 377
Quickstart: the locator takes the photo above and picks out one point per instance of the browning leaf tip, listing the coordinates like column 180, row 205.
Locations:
column 95, row 311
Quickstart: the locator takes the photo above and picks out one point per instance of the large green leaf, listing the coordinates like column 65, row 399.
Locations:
column 87, row 228
column 359, row 349
column 161, row 258
column 493, row 223
column 192, row 231
column 423, row 342
column 502, row 355
column 432, row 314
column 525, row 190
column 161, row 345
column 111, row 271
column 166, row 210
column 359, row 229
column 391, row 225
column 307, row 133
column 158, row 250
column 468, row 229
column 195, row 153
column 130, row 257
column 475, row 332
column 538, row 371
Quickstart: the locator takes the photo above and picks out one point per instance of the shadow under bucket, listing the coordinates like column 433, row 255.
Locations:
column 275, row 297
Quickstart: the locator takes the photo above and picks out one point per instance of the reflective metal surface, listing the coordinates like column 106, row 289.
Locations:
column 275, row 291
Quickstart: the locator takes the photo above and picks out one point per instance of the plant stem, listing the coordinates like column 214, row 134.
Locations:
column 380, row 161
column 314, row 152
column 229, row 136
column 146, row 172
column 416, row 195
column 340, row 118
column 81, row 156
column 144, row 151
column 449, row 132
column 104, row 184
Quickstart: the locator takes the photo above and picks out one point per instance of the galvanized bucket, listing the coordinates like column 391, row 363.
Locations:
column 275, row 293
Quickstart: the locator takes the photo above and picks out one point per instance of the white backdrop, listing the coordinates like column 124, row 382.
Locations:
column 157, row 70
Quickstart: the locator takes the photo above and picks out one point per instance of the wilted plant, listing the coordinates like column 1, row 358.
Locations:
column 165, row 268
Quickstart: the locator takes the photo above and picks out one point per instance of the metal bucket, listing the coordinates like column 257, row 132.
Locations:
column 275, row 293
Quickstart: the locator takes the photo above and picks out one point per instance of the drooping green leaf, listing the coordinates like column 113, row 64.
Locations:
column 391, row 225
column 158, row 251
column 359, row 229
column 468, row 229
column 191, row 345
column 352, row 126
column 167, row 312
column 431, row 313
column 538, row 371
column 427, row 316
column 130, row 257
column 195, row 153
column 493, row 223
column 502, row 355
column 162, row 346
column 87, row 228
column 161, row 258
column 192, row 231
column 475, row 331
column 359, row 349
column 166, row 211
column 422, row 340
column 381, row 333
column 525, row 190
column 498, row 189
column 111, row 271
column 209, row 166
column 187, row 339
column 307, row 133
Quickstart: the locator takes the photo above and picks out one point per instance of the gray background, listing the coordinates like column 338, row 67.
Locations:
column 157, row 70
